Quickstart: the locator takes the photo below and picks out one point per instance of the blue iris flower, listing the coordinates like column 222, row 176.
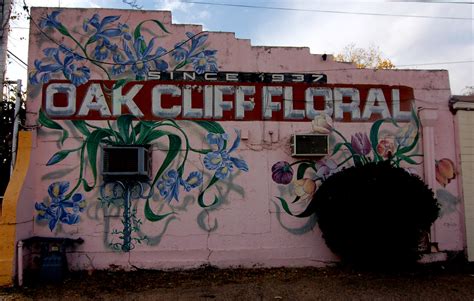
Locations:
column 60, row 209
column 140, row 58
column 50, row 20
column 103, row 48
column 103, row 33
column 194, row 180
column 62, row 60
column 220, row 160
column 202, row 60
column 77, row 75
column 170, row 182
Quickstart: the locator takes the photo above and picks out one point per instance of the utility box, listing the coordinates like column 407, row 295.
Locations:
column 53, row 266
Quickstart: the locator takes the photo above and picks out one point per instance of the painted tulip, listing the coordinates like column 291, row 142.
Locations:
column 326, row 167
column 282, row 173
column 305, row 188
column 445, row 171
column 385, row 148
column 406, row 135
column 361, row 144
column 322, row 124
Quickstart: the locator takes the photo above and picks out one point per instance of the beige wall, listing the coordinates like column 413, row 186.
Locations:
column 466, row 140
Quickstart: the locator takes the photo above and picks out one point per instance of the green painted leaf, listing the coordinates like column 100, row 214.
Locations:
column 92, row 145
column 416, row 119
column 137, row 128
column 120, row 83
column 394, row 122
column 137, row 31
column 151, row 216
column 81, row 126
column 141, row 130
column 91, row 40
column 124, row 124
column 173, row 150
column 306, row 213
column 47, row 122
column 181, row 65
column 63, row 30
column 86, row 186
column 153, row 135
column 374, row 137
column 201, row 201
column 59, row 156
column 337, row 147
column 285, row 206
column 357, row 160
column 301, row 170
column 408, row 159
column 296, row 199
column 410, row 147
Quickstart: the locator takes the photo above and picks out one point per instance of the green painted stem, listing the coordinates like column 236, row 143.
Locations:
column 81, row 170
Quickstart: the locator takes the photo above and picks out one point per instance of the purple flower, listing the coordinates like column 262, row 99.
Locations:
column 326, row 167
column 282, row 173
column 361, row 144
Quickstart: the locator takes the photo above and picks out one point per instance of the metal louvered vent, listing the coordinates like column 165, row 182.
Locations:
column 122, row 162
column 310, row 145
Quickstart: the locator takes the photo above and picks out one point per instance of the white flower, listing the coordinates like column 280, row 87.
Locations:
column 322, row 124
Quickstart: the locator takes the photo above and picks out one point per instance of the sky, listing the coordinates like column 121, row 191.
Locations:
column 442, row 39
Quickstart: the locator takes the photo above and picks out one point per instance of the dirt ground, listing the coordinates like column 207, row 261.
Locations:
column 432, row 282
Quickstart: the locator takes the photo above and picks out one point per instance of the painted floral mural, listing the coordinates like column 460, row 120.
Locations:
column 397, row 144
column 168, row 181
column 445, row 171
column 61, row 208
column 118, row 51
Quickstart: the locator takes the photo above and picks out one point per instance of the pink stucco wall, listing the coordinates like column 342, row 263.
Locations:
column 248, row 226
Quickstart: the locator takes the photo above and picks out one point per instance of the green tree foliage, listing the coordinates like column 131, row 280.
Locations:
column 375, row 215
column 7, row 112
column 364, row 58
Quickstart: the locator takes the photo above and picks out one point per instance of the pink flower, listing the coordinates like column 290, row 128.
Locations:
column 445, row 171
column 386, row 148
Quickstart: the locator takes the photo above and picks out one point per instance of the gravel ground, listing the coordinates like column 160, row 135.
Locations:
column 432, row 282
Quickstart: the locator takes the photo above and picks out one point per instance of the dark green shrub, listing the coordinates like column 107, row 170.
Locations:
column 375, row 215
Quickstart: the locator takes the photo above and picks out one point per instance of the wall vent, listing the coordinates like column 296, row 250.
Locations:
column 309, row 145
column 126, row 162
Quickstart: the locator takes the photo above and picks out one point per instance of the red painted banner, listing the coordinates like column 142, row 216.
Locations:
column 225, row 101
